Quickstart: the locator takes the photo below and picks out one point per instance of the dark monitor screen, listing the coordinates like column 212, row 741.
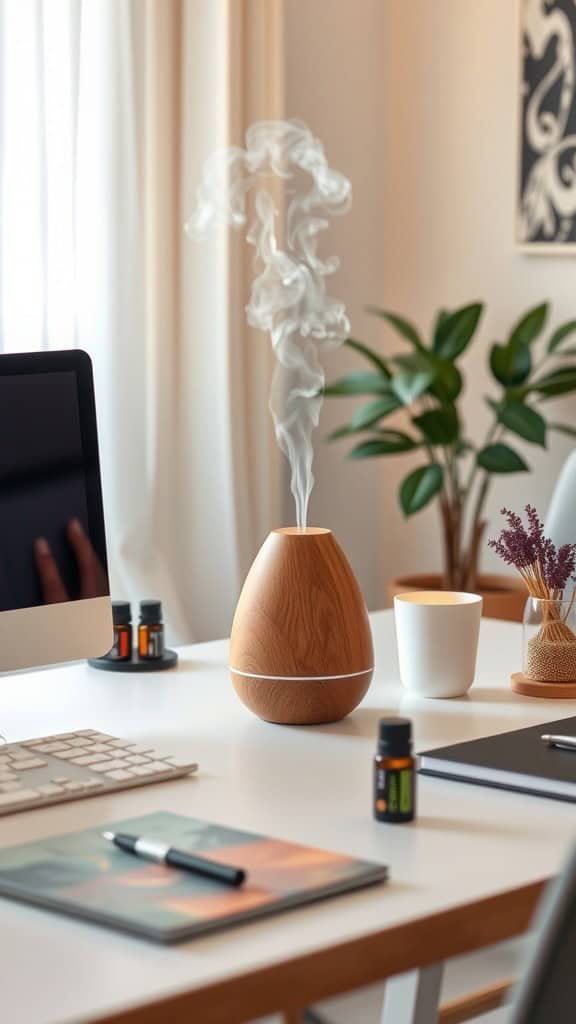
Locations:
column 52, row 545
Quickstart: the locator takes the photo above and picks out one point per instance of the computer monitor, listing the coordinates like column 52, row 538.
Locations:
column 54, row 591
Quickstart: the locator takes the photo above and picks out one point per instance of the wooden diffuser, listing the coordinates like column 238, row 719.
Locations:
column 301, row 647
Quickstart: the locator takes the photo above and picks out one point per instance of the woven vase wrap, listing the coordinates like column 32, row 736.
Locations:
column 551, row 661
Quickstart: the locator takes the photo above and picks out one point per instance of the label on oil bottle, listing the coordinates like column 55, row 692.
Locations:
column 394, row 796
column 155, row 643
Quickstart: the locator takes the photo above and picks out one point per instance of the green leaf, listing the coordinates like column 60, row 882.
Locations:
column 529, row 326
column 563, row 428
column 389, row 442
column 510, row 364
column 447, row 383
column 560, row 333
column 499, row 458
column 345, row 431
column 455, row 331
column 439, row 426
column 358, row 384
column 400, row 324
column 441, row 316
column 524, row 421
column 559, row 382
column 369, row 354
column 414, row 375
column 374, row 411
column 420, row 487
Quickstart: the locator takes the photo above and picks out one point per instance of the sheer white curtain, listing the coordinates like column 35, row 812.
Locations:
column 107, row 110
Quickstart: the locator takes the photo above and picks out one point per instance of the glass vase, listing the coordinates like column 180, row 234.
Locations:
column 549, row 640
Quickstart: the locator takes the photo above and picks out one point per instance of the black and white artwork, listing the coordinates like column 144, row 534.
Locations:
column 546, row 215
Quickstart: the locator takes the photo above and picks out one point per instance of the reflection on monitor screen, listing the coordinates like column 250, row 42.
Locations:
column 49, row 550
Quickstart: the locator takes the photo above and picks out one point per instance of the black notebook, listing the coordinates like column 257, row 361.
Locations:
column 516, row 760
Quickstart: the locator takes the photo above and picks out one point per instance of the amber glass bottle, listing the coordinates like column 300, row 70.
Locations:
column 122, row 620
column 150, row 631
column 394, row 772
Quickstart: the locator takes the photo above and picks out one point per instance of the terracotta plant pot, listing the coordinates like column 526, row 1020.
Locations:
column 503, row 596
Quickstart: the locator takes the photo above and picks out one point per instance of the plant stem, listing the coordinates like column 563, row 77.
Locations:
column 477, row 528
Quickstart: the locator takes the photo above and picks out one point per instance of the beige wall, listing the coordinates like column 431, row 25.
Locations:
column 416, row 102
column 333, row 67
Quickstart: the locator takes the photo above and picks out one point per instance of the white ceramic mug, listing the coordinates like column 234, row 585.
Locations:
column 437, row 637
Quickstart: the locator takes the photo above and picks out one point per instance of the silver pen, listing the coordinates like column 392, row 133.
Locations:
column 563, row 742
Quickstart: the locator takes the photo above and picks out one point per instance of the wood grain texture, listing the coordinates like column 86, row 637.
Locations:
column 304, row 702
column 535, row 688
column 301, row 619
column 472, row 1005
column 307, row 979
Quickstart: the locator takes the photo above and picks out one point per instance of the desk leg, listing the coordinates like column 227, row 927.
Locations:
column 414, row 997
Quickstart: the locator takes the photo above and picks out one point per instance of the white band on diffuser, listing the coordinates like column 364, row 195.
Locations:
column 302, row 679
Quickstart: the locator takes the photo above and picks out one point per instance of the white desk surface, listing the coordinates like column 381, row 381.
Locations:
column 311, row 785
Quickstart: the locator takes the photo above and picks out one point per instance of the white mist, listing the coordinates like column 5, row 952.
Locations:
column 288, row 299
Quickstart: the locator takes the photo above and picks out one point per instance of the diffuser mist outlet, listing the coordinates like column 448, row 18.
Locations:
column 301, row 646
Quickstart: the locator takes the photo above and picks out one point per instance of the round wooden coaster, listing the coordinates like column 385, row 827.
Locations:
column 534, row 688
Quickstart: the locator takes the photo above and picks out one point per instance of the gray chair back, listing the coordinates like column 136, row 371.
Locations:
column 546, row 993
column 561, row 517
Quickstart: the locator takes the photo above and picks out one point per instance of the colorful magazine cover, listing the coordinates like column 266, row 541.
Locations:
column 85, row 875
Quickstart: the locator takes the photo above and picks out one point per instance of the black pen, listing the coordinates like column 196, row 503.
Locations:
column 161, row 853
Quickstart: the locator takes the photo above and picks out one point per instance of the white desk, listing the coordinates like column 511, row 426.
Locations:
column 465, row 874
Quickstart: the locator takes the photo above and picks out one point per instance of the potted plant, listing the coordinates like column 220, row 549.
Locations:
column 457, row 471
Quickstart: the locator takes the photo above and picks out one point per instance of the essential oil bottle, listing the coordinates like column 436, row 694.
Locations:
column 121, row 649
column 394, row 772
column 150, row 631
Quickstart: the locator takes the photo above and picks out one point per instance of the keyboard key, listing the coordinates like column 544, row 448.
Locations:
column 97, row 748
column 73, row 787
column 67, row 755
column 9, row 787
column 76, row 742
column 88, row 759
column 118, row 743
column 142, row 769
column 23, row 796
column 93, row 784
column 120, row 775
column 161, row 766
column 138, row 759
column 49, row 789
column 60, row 780
column 133, row 748
column 22, row 755
column 51, row 748
column 108, row 766
column 182, row 763
column 7, row 776
column 102, row 737
column 86, row 732
column 23, row 766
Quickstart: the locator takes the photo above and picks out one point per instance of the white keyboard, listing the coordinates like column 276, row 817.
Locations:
column 74, row 765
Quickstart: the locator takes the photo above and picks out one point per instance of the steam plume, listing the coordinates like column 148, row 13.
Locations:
column 288, row 297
